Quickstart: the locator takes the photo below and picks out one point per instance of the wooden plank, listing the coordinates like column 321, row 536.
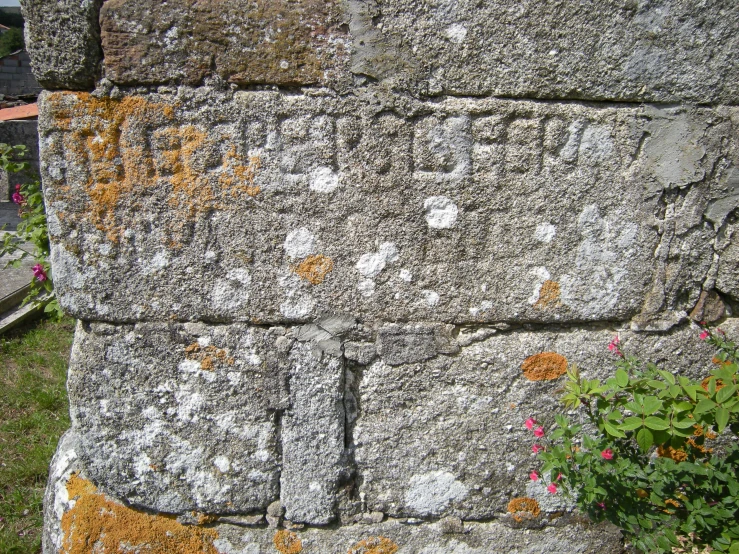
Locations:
column 19, row 112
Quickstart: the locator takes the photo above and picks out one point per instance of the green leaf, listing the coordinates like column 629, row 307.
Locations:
column 644, row 439
column 704, row 405
column 683, row 423
column 652, row 404
column 657, row 384
column 613, row 431
column 722, row 418
column 631, row 423
column 656, row 423
column 667, row 376
column 622, row 378
column 725, row 393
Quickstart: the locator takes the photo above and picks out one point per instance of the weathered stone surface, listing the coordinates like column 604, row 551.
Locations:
column 63, row 39
column 657, row 51
column 446, row 437
column 285, row 42
column 313, row 435
column 564, row 535
column 179, row 418
column 265, row 207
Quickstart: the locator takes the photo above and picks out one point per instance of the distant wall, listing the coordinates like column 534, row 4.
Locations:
column 328, row 257
column 16, row 75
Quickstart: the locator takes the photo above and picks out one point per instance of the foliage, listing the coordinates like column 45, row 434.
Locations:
column 642, row 460
column 32, row 229
column 11, row 41
column 33, row 415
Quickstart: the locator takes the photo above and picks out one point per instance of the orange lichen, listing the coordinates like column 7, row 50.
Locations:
column 523, row 508
column 374, row 545
column 110, row 140
column 287, row 542
column 314, row 268
column 548, row 295
column 208, row 356
column 544, row 367
column 207, row 364
column 239, row 177
column 707, row 380
column 679, row 455
column 97, row 524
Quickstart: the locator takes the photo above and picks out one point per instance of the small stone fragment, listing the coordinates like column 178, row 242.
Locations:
column 710, row 307
column 451, row 525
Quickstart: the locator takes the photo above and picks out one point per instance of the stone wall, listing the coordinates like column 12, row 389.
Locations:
column 327, row 257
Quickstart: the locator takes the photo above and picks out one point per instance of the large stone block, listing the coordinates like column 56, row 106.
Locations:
column 446, row 437
column 78, row 514
column 650, row 51
column 179, row 418
column 63, row 39
column 283, row 42
column 264, row 207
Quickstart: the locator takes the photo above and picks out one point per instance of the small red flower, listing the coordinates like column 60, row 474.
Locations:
column 39, row 272
column 607, row 454
column 602, row 505
column 704, row 335
column 534, row 476
column 559, row 477
column 530, row 423
column 536, row 448
column 539, row 432
column 18, row 198
column 552, row 488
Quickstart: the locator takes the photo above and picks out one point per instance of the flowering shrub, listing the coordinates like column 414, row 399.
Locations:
column 640, row 455
column 32, row 229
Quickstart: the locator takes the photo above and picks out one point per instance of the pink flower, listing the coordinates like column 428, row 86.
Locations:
column 559, row 477
column 18, row 198
column 552, row 488
column 602, row 505
column 534, row 476
column 607, row 454
column 539, row 432
column 530, row 423
column 536, row 448
column 613, row 347
column 39, row 272
column 704, row 335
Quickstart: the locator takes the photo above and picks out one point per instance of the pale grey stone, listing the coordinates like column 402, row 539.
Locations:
column 458, row 244
column 407, row 344
column 446, row 436
column 451, row 525
column 63, row 39
column 312, row 437
column 178, row 420
column 360, row 352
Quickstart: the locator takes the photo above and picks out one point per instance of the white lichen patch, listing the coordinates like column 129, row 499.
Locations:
column 545, row 232
column 431, row 493
column 540, row 275
column 405, row 275
column 299, row 243
column 156, row 263
column 366, row 287
column 323, row 179
column 297, row 307
column 431, row 297
column 222, row 463
column 441, row 212
column 456, row 33
column 371, row 264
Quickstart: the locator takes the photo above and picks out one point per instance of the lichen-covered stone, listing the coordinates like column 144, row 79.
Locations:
column 63, row 39
column 445, row 436
column 264, row 207
column 122, row 527
column 283, row 42
column 179, row 418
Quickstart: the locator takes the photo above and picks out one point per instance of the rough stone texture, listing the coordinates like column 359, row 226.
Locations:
column 179, row 418
column 266, row 207
column 63, row 39
column 445, row 437
column 563, row 535
column 285, row 42
column 662, row 51
column 313, row 434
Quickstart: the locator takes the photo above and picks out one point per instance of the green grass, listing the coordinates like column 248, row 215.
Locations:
column 33, row 415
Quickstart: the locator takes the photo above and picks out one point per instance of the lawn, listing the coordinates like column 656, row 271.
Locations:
column 33, row 415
